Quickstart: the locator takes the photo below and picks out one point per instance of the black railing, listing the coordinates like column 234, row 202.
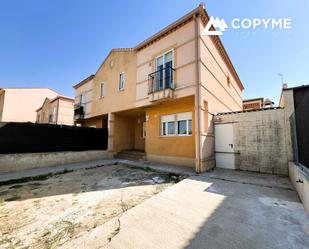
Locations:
column 79, row 111
column 161, row 79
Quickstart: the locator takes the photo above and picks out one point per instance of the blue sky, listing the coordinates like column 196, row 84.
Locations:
column 58, row 43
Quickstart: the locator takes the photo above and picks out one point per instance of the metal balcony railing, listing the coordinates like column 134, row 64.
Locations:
column 161, row 79
column 79, row 111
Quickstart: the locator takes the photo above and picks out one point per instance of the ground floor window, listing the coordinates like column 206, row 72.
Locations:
column 179, row 124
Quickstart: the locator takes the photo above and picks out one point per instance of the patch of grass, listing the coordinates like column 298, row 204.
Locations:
column 10, row 243
column 64, row 232
column 1, row 201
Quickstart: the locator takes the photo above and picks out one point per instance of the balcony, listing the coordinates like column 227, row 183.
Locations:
column 79, row 111
column 161, row 84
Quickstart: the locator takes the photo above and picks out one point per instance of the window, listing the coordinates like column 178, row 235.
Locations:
column 121, row 82
column 184, row 124
column 179, row 124
column 144, row 131
column 82, row 99
column 102, row 90
column 164, row 65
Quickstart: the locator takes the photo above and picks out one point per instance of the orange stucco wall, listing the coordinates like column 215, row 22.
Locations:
column 86, row 90
column 172, row 146
column 115, row 100
column 97, row 122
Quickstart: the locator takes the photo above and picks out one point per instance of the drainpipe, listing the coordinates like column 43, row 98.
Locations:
column 197, row 98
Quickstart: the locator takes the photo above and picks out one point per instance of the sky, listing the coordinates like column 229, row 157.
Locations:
column 57, row 43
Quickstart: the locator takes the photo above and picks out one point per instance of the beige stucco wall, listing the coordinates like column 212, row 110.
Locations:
column 45, row 111
column 62, row 110
column 182, row 43
column 85, row 89
column 218, row 88
column 21, row 104
column 1, row 103
column 66, row 112
column 115, row 100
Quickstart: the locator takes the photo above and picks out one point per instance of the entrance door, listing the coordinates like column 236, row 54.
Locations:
column 224, row 147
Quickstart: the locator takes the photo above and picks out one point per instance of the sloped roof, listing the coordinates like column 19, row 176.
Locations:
column 199, row 11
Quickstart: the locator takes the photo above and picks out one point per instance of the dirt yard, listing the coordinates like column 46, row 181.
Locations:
column 63, row 210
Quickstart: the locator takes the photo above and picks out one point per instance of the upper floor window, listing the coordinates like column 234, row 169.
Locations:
column 82, row 99
column 121, row 82
column 164, row 71
column 102, row 90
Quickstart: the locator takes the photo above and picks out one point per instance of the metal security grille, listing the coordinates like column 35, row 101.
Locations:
column 30, row 138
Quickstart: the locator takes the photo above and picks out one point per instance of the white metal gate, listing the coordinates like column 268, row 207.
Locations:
column 224, row 147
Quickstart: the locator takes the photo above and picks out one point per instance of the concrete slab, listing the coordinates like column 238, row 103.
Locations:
column 208, row 211
column 4, row 177
column 160, row 167
column 167, row 168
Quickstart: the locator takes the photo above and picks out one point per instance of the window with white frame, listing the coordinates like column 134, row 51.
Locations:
column 179, row 124
column 121, row 82
column 82, row 99
column 102, row 90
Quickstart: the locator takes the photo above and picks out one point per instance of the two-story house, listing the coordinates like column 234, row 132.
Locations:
column 58, row 110
column 160, row 96
column 20, row 104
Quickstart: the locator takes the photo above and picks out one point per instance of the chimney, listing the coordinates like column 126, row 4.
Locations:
column 284, row 86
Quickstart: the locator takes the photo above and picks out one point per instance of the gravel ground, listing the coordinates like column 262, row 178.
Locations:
column 63, row 210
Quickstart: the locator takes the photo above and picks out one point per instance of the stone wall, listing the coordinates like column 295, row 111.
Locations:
column 22, row 161
column 260, row 140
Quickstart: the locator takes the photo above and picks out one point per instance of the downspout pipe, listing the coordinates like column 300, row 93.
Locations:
column 198, row 167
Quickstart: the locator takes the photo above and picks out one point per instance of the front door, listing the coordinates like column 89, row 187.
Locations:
column 224, row 146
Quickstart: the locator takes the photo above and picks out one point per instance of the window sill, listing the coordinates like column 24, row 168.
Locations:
column 165, row 136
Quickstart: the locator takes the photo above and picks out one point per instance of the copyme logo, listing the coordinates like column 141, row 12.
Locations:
column 217, row 26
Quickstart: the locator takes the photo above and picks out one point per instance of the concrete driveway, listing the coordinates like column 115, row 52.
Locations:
column 222, row 209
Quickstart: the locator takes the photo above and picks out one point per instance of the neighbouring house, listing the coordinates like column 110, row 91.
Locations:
column 20, row 104
column 58, row 110
column 256, row 103
column 82, row 104
column 160, row 96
